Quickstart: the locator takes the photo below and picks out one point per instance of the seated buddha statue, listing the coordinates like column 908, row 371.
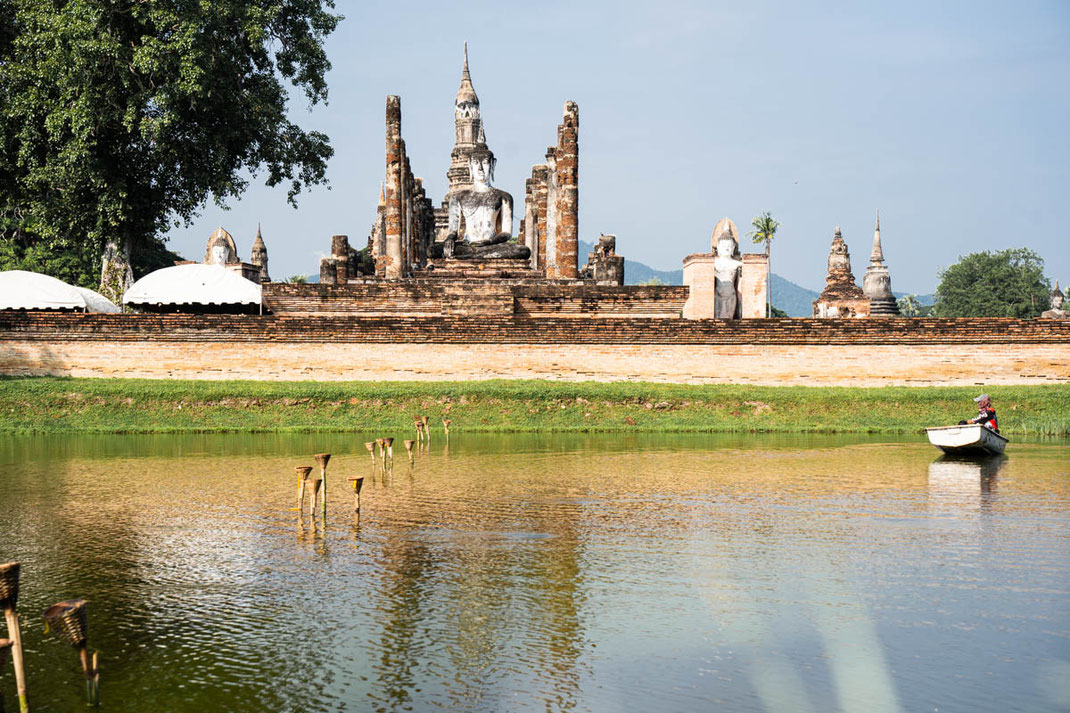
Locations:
column 488, row 218
column 1056, row 311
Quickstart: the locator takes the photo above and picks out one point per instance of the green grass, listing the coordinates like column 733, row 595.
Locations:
column 55, row 405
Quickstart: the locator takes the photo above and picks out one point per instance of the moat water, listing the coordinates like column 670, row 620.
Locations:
column 545, row 573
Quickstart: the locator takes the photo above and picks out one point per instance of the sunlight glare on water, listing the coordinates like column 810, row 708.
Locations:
column 534, row 573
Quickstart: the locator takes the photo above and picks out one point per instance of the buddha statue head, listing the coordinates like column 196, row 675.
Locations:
column 481, row 168
column 221, row 249
column 1056, row 297
column 725, row 240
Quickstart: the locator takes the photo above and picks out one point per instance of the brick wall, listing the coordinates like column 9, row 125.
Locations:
column 440, row 297
column 796, row 351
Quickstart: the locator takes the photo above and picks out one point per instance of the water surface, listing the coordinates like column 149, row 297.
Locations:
column 535, row 573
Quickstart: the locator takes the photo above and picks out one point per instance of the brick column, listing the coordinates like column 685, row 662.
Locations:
column 567, row 225
column 389, row 265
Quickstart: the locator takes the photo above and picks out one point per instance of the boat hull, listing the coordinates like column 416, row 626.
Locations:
column 969, row 440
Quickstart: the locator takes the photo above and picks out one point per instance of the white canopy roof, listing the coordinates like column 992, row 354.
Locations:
column 193, row 284
column 32, row 290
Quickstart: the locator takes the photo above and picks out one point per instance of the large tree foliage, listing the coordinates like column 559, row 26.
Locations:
column 1009, row 283
column 120, row 117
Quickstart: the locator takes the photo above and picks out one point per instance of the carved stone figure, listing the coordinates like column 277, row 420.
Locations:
column 487, row 213
column 221, row 249
column 1056, row 311
column 727, row 266
column 116, row 274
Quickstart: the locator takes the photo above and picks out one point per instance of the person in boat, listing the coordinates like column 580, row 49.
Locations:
column 986, row 415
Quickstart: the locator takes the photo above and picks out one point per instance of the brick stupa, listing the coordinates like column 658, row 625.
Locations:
column 841, row 296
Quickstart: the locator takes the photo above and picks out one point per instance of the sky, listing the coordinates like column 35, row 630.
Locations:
column 950, row 118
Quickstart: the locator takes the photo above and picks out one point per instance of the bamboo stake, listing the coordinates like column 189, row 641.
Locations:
column 371, row 450
column 358, row 484
column 70, row 621
column 389, row 448
column 302, row 478
column 427, row 428
column 408, row 447
column 322, row 459
column 446, row 426
column 9, row 597
column 5, row 647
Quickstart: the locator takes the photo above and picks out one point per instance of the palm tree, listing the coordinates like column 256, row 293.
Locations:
column 909, row 306
column 764, row 231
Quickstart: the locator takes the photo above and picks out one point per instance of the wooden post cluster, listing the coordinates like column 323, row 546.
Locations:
column 70, row 621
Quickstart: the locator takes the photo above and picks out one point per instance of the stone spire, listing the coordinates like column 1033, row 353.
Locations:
column 877, row 282
column 260, row 256
column 470, row 136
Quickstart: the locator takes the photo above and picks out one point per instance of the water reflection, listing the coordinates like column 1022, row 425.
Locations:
column 548, row 573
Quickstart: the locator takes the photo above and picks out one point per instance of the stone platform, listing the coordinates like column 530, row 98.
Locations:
column 470, row 268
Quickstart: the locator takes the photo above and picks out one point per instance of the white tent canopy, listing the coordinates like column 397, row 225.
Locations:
column 32, row 290
column 193, row 284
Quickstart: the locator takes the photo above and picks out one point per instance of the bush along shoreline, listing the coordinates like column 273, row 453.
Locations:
column 64, row 405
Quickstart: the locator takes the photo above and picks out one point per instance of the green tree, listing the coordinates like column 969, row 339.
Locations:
column 1009, row 283
column 764, row 231
column 296, row 279
column 909, row 306
column 775, row 311
column 119, row 118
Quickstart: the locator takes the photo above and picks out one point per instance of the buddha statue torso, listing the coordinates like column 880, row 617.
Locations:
column 488, row 218
column 727, row 268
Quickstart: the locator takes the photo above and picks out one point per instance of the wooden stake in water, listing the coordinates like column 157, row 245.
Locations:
column 5, row 650
column 389, row 448
column 427, row 429
column 9, row 598
column 419, row 426
column 322, row 459
column 358, row 484
column 302, row 478
column 446, row 426
column 70, row 621
column 408, row 447
column 370, row 445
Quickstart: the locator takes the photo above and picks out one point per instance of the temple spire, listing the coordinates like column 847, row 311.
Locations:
column 466, row 93
column 877, row 256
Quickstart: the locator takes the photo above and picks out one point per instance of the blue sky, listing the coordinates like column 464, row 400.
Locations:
column 951, row 118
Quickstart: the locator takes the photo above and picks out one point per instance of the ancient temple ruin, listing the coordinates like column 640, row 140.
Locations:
column 470, row 236
column 841, row 296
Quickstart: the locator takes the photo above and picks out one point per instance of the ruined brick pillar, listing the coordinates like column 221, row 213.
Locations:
column 567, row 224
column 390, row 263
column 340, row 255
column 328, row 271
column 534, row 229
column 548, row 234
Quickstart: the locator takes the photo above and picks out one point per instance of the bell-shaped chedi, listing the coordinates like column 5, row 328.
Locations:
column 877, row 283
column 841, row 296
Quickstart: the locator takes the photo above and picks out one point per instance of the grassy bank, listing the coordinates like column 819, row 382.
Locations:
column 54, row 405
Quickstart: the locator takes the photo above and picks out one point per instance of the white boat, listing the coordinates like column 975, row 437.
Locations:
column 971, row 439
